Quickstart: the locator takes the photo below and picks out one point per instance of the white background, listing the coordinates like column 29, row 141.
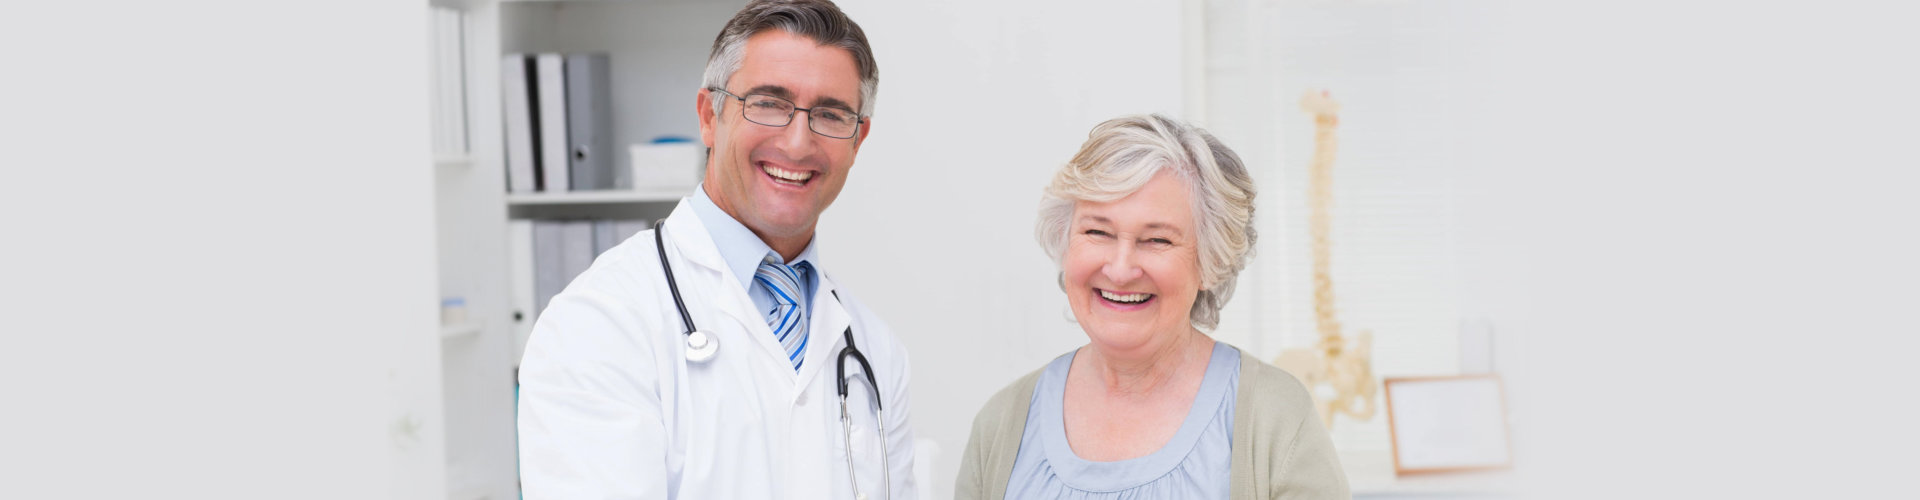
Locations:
column 1700, row 216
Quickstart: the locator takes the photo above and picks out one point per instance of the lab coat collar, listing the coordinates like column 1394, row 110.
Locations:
column 686, row 233
column 738, row 246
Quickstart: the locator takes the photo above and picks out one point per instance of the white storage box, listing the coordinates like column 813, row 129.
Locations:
column 674, row 165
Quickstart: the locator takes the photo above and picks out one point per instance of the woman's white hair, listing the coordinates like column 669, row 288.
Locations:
column 1121, row 155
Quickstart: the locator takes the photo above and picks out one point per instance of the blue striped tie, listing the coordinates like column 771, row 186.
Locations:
column 789, row 315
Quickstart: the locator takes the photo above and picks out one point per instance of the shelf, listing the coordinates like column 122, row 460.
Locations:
column 629, row 204
column 598, row 197
column 452, row 160
column 467, row 329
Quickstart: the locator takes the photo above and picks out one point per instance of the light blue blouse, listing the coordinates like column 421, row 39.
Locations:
column 1194, row 464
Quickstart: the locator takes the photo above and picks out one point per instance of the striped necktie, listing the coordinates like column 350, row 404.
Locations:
column 789, row 315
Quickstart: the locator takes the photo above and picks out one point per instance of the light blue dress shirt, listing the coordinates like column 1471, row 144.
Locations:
column 742, row 250
column 1194, row 464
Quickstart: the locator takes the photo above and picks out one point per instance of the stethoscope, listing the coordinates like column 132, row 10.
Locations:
column 701, row 348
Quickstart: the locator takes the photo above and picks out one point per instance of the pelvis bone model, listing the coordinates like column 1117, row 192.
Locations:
column 1337, row 371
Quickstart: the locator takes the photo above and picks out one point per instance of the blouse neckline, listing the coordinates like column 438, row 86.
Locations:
column 1132, row 472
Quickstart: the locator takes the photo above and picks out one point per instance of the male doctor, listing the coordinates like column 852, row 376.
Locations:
column 619, row 400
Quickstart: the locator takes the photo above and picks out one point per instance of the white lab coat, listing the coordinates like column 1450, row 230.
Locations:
column 610, row 408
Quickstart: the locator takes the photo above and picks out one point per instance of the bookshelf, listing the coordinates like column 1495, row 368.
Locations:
column 657, row 49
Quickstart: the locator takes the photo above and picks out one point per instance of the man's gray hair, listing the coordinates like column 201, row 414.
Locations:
column 819, row 20
column 1121, row 155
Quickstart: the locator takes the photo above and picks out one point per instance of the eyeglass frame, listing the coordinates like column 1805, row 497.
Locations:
column 858, row 122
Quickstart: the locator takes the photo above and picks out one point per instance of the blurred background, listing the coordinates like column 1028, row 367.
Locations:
column 274, row 250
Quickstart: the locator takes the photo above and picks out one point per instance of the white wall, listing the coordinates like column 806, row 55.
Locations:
column 1718, row 203
column 219, row 263
column 979, row 103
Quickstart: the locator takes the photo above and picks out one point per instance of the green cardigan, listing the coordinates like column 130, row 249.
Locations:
column 1280, row 449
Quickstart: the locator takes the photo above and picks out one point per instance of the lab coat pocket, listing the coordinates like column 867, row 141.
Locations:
column 862, row 433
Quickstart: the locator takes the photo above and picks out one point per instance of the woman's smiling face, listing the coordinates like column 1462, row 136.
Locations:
column 1132, row 266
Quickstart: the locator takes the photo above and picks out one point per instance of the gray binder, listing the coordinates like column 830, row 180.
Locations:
column 523, row 134
column 549, row 268
column 590, row 124
column 603, row 237
column 562, row 249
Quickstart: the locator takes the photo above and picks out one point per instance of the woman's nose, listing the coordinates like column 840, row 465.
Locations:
column 1121, row 268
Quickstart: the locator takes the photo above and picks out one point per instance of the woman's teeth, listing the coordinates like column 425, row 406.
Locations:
column 787, row 175
column 1129, row 298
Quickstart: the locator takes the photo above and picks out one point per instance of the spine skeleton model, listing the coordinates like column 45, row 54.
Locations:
column 1337, row 371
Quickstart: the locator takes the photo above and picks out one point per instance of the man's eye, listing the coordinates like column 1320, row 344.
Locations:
column 833, row 115
column 768, row 104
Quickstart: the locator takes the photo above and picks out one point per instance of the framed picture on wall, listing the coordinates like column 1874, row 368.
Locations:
column 1448, row 423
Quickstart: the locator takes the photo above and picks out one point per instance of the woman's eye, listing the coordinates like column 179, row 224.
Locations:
column 1160, row 241
column 1096, row 232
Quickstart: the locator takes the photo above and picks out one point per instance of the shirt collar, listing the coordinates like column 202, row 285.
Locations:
column 739, row 247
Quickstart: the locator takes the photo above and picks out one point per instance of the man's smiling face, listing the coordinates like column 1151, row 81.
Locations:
column 777, row 180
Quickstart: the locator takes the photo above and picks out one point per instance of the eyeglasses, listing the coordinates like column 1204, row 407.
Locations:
column 830, row 121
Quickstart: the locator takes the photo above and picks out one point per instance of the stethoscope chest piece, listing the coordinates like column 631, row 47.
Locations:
column 701, row 347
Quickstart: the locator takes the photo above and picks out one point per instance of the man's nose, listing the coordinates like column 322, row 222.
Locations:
column 797, row 138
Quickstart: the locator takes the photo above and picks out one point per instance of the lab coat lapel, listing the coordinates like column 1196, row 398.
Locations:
column 830, row 320
column 686, row 234
column 690, row 236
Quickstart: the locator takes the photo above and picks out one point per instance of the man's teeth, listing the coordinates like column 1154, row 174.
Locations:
column 784, row 174
column 1130, row 298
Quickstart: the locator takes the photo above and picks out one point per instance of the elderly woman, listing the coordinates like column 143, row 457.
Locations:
column 1150, row 223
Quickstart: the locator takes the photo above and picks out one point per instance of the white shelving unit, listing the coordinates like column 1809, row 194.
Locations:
column 658, row 49
column 452, row 161
column 461, row 330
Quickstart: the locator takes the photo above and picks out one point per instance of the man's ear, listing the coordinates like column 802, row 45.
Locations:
column 704, row 107
column 858, row 139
